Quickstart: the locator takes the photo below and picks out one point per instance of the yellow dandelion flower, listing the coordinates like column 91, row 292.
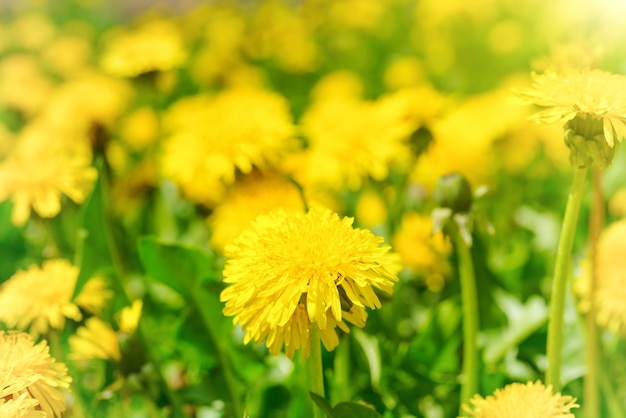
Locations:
column 593, row 94
column 422, row 250
column 349, row 141
column 156, row 45
column 31, row 373
column 370, row 209
column 140, row 128
column 38, row 171
column 95, row 340
column 253, row 195
column 519, row 400
column 40, row 298
column 294, row 269
column 610, row 286
column 23, row 84
column 94, row 295
column 20, row 407
column 211, row 140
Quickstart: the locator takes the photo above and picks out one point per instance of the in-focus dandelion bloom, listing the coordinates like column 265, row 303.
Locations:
column 522, row 400
column 610, row 287
column 214, row 138
column 594, row 94
column 291, row 270
column 38, row 299
column 28, row 372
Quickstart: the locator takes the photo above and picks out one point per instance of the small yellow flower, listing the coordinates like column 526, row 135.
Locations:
column 294, row 269
column 594, row 94
column 214, row 138
column 519, row 400
column 27, row 372
column 610, row 288
column 40, row 298
column 94, row 295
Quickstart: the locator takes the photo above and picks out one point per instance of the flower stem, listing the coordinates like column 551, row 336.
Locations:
column 119, row 278
column 591, row 381
column 469, row 298
column 559, row 282
column 316, row 371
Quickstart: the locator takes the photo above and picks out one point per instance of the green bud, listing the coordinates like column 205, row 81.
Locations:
column 588, row 147
column 454, row 192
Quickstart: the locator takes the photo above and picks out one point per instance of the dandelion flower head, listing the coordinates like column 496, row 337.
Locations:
column 214, row 138
column 350, row 140
column 610, row 286
column 156, row 45
column 39, row 298
column 422, row 250
column 253, row 195
column 522, row 400
column 28, row 372
column 291, row 270
column 588, row 93
column 38, row 171
column 95, row 340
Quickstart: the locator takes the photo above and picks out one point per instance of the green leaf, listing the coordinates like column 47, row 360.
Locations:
column 354, row 410
column 322, row 403
column 93, row 253
column 344, row 409
column 369, row 344
column 177, row 266
column 524, row 319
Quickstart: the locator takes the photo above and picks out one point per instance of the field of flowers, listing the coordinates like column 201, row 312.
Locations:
column 313, row 208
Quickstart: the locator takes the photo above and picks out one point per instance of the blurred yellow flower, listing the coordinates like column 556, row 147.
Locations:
column 129, row 317
column 463, row 138
column 39, row 170
column 423, row 250
column 617, row 203
column 519, row 400
column 94, row 295
column 291, row 270
column 253, row 195
column 33, row 31
column 23, row 84
column 140, row 128
column 87, row 100
column 349, row 141
column 610, row 286
column 214, row 138
column 594, row 94
column 95, row 340
column 27, row 372
column 370, row 209
column 68, row 55
column 98, row 340
column 39, row 298
column 156, row 45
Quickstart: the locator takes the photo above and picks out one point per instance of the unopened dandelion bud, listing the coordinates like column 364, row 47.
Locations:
column 587, row 143
column 454, row 192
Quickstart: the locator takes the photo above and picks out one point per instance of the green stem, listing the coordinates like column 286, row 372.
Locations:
column 120, row 274
column 469, row 297
column 316, row 372
column 224, row 361
column 559, row 283
column 591, row 381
